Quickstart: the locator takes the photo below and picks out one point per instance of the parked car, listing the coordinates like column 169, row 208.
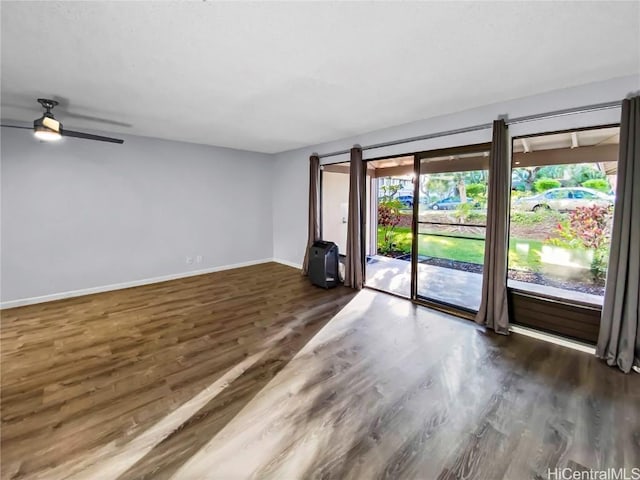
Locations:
column 563, row 199
column 406, row 200
column 451, row 203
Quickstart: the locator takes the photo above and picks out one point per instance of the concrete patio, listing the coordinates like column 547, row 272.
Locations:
column 447, row 285
column 455, row 287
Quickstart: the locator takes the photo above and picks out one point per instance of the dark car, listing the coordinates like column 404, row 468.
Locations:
column 406, row 200
column 450, row 203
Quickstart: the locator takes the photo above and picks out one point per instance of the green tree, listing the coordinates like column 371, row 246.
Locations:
column 551, row 171
column 476, row 189
column 526, row 176
column 597, row 184
column 432, row 185
column 461, row 186
column 389, row 192
column 544, row 184
column 582, row 172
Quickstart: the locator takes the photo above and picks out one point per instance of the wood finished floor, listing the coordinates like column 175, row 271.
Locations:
column 253, row 373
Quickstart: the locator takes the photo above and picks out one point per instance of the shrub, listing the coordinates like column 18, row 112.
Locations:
column 476, row 189
column 597, row 184
column 462, row 212
column 535, row 218
column 477, row 217
column 388, row 219
column 587, row 228
column 544, row 184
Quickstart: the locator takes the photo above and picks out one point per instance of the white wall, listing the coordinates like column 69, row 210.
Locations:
column 80, row 214
column 290, row 194
column 335, row 208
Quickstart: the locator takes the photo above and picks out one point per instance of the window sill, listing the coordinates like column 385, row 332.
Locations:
column 556, row 294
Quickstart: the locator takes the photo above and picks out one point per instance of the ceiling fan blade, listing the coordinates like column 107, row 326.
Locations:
column 88, row 136
column 17, row 126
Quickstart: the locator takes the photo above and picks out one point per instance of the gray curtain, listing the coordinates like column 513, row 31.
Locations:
column 619, row 337
column 314, row 208
column 354, row 271
column 493, row 310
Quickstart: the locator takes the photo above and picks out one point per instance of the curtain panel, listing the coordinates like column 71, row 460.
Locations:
column 313, row 228
column 493, row 311
column 619, row 336
column 354, row 271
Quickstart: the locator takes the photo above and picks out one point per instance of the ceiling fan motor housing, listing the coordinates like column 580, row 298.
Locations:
column 47, row 104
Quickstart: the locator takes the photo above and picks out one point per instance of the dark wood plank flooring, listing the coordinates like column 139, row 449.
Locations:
column 253, row 373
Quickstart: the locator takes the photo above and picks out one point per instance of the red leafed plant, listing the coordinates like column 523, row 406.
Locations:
column 587, row 228
column 388, row 219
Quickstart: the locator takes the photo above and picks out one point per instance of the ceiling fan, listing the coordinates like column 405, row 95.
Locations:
column 49, row 129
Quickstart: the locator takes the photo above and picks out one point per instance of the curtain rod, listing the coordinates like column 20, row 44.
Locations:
column 527, row 118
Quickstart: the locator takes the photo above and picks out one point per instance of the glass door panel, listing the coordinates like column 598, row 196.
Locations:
column 452, row 214
column 390, row 191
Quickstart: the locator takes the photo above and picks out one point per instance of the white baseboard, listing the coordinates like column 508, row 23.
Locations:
column 288, row 263
column 119, row 286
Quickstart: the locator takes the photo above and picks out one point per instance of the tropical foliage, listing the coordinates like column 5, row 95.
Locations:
column 586, row 228
column 388, row 217
column 544, row 184
column 597, row 184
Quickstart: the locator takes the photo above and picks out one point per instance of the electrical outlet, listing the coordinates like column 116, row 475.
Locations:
column 199, row 259
column 189, row 260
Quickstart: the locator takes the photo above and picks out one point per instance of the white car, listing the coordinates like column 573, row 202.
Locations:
column 563, row 199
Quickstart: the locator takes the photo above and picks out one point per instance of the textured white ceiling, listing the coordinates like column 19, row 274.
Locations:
column 275, row 76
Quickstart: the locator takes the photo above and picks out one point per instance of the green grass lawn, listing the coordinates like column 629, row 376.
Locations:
column 524, row 254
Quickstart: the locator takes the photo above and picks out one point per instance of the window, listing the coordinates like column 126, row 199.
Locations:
column 557, row 194
column 584, row 194
column 562, row 213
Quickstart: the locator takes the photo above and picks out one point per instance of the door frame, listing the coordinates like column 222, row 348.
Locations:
column 417, row 157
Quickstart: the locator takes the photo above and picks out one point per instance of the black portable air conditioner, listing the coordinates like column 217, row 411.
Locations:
column 323, row 264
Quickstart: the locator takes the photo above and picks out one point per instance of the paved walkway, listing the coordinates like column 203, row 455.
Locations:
column 448, row 285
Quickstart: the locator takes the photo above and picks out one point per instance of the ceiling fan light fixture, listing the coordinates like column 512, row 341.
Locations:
column 47, row 128
column 46, row 134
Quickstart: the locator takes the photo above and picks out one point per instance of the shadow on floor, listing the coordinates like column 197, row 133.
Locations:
column 173, row 451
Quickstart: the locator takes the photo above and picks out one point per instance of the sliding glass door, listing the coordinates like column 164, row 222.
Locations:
column 450, row 225
column 426, row 222
column 424, row 234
